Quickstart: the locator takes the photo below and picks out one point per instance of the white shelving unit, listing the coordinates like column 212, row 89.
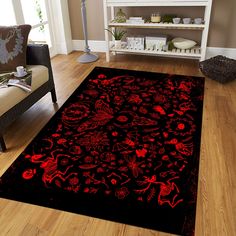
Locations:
column 195, row 53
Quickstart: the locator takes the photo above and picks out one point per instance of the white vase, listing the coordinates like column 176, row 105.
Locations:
column 117, row 43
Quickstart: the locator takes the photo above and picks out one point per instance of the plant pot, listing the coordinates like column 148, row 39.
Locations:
column 117, row 43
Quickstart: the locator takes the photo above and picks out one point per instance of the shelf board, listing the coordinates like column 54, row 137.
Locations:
column 146, row 3
column 159, row 25
column 191, row 53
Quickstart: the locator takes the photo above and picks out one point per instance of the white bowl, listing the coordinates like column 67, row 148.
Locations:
column 187, row 20
column 182, row 43
column 176, row 20
column 198, row 21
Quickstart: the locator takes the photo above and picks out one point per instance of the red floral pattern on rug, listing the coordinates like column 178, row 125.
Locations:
column 124, row 135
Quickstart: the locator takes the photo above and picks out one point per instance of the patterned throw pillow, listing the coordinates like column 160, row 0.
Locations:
column 13, row 44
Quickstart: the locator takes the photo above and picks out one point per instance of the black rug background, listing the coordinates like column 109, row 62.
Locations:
column 177, row 89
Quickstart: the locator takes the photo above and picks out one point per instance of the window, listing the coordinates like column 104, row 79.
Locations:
column 49, row 20
column 35, row 14
column 7, row 16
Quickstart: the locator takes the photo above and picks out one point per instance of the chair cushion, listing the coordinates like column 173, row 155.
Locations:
column 10, row 96
column 13, row 44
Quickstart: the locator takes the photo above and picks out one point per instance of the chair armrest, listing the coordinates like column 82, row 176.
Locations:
column 38, row 54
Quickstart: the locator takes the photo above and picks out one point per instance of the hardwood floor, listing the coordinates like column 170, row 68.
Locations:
column 216, row 206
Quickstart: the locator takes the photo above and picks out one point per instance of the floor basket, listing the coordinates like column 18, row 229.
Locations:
column 219, row 68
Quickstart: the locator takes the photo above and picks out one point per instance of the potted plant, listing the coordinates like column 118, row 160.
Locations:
column 117, row 34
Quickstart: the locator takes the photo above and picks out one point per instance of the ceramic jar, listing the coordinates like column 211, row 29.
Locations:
column 156, row 18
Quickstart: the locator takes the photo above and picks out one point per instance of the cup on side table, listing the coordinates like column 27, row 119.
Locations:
column 21, row 71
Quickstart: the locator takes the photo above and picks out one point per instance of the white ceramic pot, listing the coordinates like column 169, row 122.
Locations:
column 198, row 21
column 117, row 43
column 176, row 20
column 187, row 20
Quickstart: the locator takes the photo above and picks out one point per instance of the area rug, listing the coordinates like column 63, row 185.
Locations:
column 124, row 147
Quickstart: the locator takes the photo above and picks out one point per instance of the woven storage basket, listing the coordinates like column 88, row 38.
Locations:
column 219, row 68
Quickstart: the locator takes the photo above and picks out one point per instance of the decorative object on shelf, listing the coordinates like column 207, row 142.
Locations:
column 187, row 20
column 198, row 21
column 136, row 43
column 117, row 43
column 168, row 18
column 182, row 43
column 130, row 42
column 176, row 20
column 118, row 35
column 165, row 48
column 155, row 43
column 135, row 20
column 87, row 57
column 156, row 18
column 219, row 68
column 120, row 17
column 170, row 45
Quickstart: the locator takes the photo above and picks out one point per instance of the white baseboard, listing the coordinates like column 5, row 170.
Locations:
column 100, row 46
column 228, row 52
column 95, row 46
column 64, row 48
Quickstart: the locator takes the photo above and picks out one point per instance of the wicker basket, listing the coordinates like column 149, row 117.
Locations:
column 219, row 68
